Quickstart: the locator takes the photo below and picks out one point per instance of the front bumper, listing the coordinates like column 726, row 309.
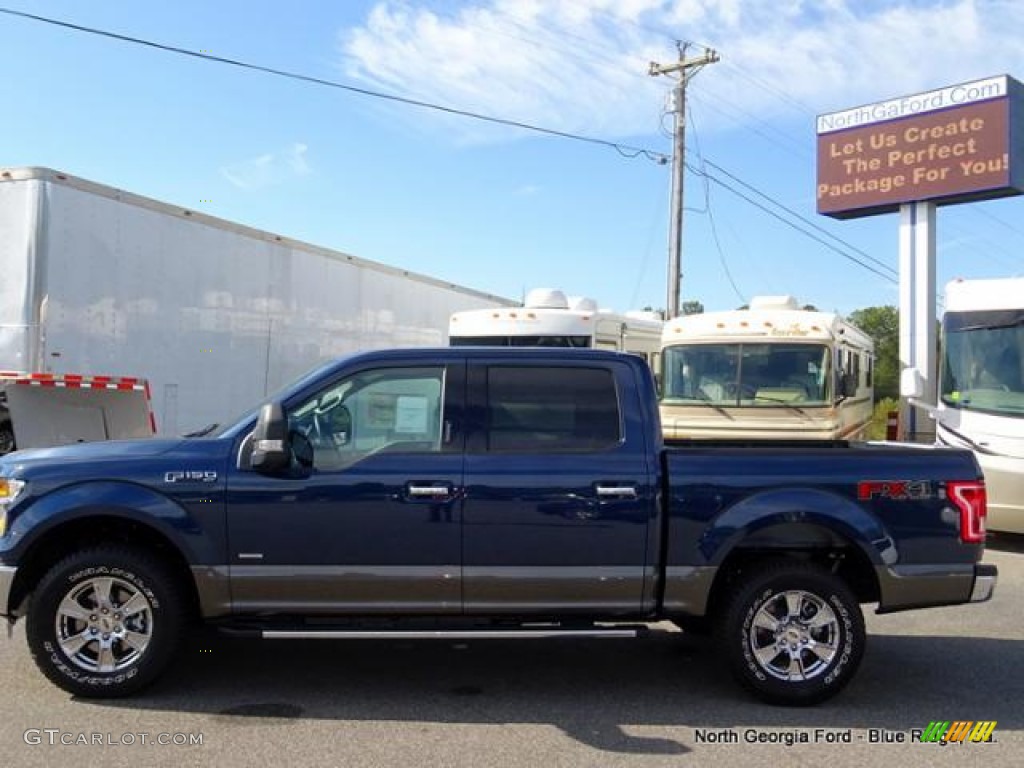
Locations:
column 7, row 574
column 985, row 577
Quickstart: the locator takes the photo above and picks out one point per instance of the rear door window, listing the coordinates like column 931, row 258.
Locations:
column 531, row 408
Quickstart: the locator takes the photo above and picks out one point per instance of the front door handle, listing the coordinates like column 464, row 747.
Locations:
column 419, row 491
column 615, row 491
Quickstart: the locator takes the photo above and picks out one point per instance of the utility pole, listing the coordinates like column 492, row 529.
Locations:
column 684, row 69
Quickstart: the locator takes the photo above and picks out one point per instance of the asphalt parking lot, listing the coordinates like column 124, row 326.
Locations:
column 660, row 701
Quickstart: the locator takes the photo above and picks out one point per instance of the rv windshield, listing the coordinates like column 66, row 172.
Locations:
column 981, row 362
column 751, row 375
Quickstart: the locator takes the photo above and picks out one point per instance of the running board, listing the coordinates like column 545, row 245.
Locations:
column 441, row 634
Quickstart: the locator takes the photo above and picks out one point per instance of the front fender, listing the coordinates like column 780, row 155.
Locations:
column 200, row 537
column 754, row 515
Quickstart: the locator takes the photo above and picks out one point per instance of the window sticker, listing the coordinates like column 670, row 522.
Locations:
column 411, row 414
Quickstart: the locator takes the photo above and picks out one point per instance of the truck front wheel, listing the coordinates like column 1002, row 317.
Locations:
column 7, row 443
column 104, row 622
column 793, row 633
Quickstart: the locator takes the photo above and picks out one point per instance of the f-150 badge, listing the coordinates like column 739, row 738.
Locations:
column 190, row 476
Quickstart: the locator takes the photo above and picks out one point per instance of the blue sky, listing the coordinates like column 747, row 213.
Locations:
column 495, row 208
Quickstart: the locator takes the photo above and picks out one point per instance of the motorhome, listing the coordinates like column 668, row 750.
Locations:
column 549, row 318
column 981, row 388
column 771, row 371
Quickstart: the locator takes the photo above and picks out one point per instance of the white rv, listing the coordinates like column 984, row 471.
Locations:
column 97, row 283
column 548, row 318
column 773, row 371
column 981, row 388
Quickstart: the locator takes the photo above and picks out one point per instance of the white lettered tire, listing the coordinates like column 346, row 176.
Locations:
column 105, row 621
column 793, row 633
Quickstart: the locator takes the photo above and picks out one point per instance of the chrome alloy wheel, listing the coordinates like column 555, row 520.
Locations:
column 104, row 624
column 794, row 636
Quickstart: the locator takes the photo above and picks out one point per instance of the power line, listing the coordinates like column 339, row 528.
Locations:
column 618, row 19
column 730, row 110
column 595, row 49
column 721, row 258
column 625, row 150
column 805, row 220
column 700, row 159
column 997, row 220
column 652, row 230
column 702, row 171
column 778, row 216
column 710, row 213
column 771, row 88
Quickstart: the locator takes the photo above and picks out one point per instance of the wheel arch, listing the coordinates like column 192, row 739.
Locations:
column 83, row 532
column 827, row 546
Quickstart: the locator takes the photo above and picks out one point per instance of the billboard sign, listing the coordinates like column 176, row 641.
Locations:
column 952, row 145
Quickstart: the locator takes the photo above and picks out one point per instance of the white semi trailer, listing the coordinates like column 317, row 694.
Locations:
column 200, row 316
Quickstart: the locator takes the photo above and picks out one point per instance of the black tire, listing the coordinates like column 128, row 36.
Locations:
column 105, row 622
column 792, row 633
column 7, row 443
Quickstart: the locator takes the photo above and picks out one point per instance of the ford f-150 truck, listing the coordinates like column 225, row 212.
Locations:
column 473, row 492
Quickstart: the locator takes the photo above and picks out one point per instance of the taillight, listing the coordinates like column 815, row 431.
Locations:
column 970, row 498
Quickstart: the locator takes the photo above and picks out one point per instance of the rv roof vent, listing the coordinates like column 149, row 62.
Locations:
column 582, row 304
column 774, row 302
column 546, row 298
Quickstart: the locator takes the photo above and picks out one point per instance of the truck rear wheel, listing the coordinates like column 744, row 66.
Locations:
column 793, row 633
column 105, row 622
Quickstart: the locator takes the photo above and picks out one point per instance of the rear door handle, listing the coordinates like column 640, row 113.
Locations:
column 428, row 491
column 615, row 491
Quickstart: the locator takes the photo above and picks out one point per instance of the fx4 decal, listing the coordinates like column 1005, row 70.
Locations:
column 897, row 490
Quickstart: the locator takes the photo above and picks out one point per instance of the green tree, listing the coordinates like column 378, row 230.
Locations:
column 692, row 308
column 883, row 325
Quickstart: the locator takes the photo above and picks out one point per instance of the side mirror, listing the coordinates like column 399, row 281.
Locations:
column 912, row 390
column 340, row 425
column 846, row 386
column 270, row 451
column 850, row 385
column 911, row 383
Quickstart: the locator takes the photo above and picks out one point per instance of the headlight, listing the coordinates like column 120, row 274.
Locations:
column 9, row 490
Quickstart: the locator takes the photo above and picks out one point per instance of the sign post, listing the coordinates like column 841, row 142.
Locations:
column 917, row 309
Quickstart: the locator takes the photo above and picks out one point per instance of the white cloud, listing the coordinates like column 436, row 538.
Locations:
column 581, row 65
column 268, row 169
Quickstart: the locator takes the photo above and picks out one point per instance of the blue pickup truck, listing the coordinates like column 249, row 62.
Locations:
column 475, row 492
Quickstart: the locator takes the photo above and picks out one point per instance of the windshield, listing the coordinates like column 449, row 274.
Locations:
column 754, row 375
column 229, row 427
column 981, row 361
